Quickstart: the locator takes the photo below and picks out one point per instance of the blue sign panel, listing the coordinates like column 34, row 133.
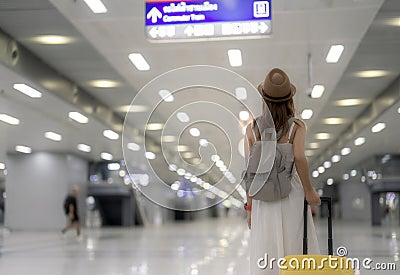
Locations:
column 189, row 12
column 182, row 19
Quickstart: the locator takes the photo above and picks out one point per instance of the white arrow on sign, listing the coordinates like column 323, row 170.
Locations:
column 263, row 27
column 153, row 32
column 189, row 31
column 154, row 14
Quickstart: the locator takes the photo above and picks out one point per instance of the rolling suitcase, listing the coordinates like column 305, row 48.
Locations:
column 317, row 264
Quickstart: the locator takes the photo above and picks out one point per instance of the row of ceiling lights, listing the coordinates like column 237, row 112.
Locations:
column 318, row 90
column 183, row 117
column 376, row 128
column 73, row 115
column 205, row 185
column 235, row 58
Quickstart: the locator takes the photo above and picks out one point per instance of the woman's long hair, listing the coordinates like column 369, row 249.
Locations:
column 281, row 112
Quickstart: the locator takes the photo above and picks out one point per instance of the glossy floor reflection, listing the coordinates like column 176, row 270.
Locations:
column 215, row 246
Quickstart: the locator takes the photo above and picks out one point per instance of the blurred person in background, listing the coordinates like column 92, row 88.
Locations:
column 71, row 210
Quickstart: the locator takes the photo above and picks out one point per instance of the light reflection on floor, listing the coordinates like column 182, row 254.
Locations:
column 215, row 246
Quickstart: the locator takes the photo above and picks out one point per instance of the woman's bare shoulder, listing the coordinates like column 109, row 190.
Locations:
column 301, row 124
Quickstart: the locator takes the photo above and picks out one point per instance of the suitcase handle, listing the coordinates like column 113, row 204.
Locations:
column 327, row 200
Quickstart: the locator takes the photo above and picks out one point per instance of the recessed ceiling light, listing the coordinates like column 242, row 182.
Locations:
column 317, row 91
column 175, row 186
column 104, row 83
column 350, row 102
column 203, row 142
column 2, row 166
column 235, row 58
column 309, row 153
column 334, row 53
column 244, row 115
column 215, row 158
column 172, row 167
column 23, row 149
column 106, row 156
column 395, row 22
column 194, row 132
column 27, row 90
column 183, row 148
column 181, row 172
column 150, row 155
column 168, row 138
column 133, row 146
column 306, row 114
column 219, row 163
column 345, row 151
column 346, row 176
column 195, row 161
column 378, row 127
column 154, row 126
column 140, row 63
column 96, row 6
column 321, row 169
column 313, row 145
column 329, row 181
column 9, row 119
column 323, row 136
column 110, row 134
column 353, row 173
column 166, row 95
column 131, row 108
column 113, row 166
column 334, row 121
column 327, row 164
column 359, row 141
column 53, row 136
column 315, row 174
column 241, row 93
column 371, row 73
column 336, row 158
column 84, row 148
column 182, row 117
column 52, row 39
column 78, row 117
column 188, row 155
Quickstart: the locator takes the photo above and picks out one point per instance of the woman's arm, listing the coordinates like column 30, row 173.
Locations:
column 302, row 164
column 248, row 143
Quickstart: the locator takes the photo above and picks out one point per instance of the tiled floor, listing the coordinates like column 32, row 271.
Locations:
column 217, row 246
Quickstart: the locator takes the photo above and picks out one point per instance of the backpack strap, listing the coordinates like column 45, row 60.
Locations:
column 252, row 130
column 291, row 129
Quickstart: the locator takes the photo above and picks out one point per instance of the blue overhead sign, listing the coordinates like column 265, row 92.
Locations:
column 213, row 18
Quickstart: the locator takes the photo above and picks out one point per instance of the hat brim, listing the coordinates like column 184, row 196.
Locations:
column 292, row 93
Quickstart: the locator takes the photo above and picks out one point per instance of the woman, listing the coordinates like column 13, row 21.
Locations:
column 277, row 227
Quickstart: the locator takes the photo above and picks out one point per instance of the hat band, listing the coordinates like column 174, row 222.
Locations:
column 276, row 97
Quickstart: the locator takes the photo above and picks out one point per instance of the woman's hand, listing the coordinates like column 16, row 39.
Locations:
column 312, row 197
column 249, row 219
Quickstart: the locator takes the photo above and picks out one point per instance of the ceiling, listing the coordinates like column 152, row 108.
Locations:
column 102, row 42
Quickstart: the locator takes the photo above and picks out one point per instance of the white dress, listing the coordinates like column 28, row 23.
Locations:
column 277, row 229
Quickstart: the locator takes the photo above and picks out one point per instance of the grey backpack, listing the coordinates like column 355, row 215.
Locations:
column 269, row 166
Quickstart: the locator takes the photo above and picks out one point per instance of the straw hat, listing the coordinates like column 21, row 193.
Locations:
column 276, row 87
